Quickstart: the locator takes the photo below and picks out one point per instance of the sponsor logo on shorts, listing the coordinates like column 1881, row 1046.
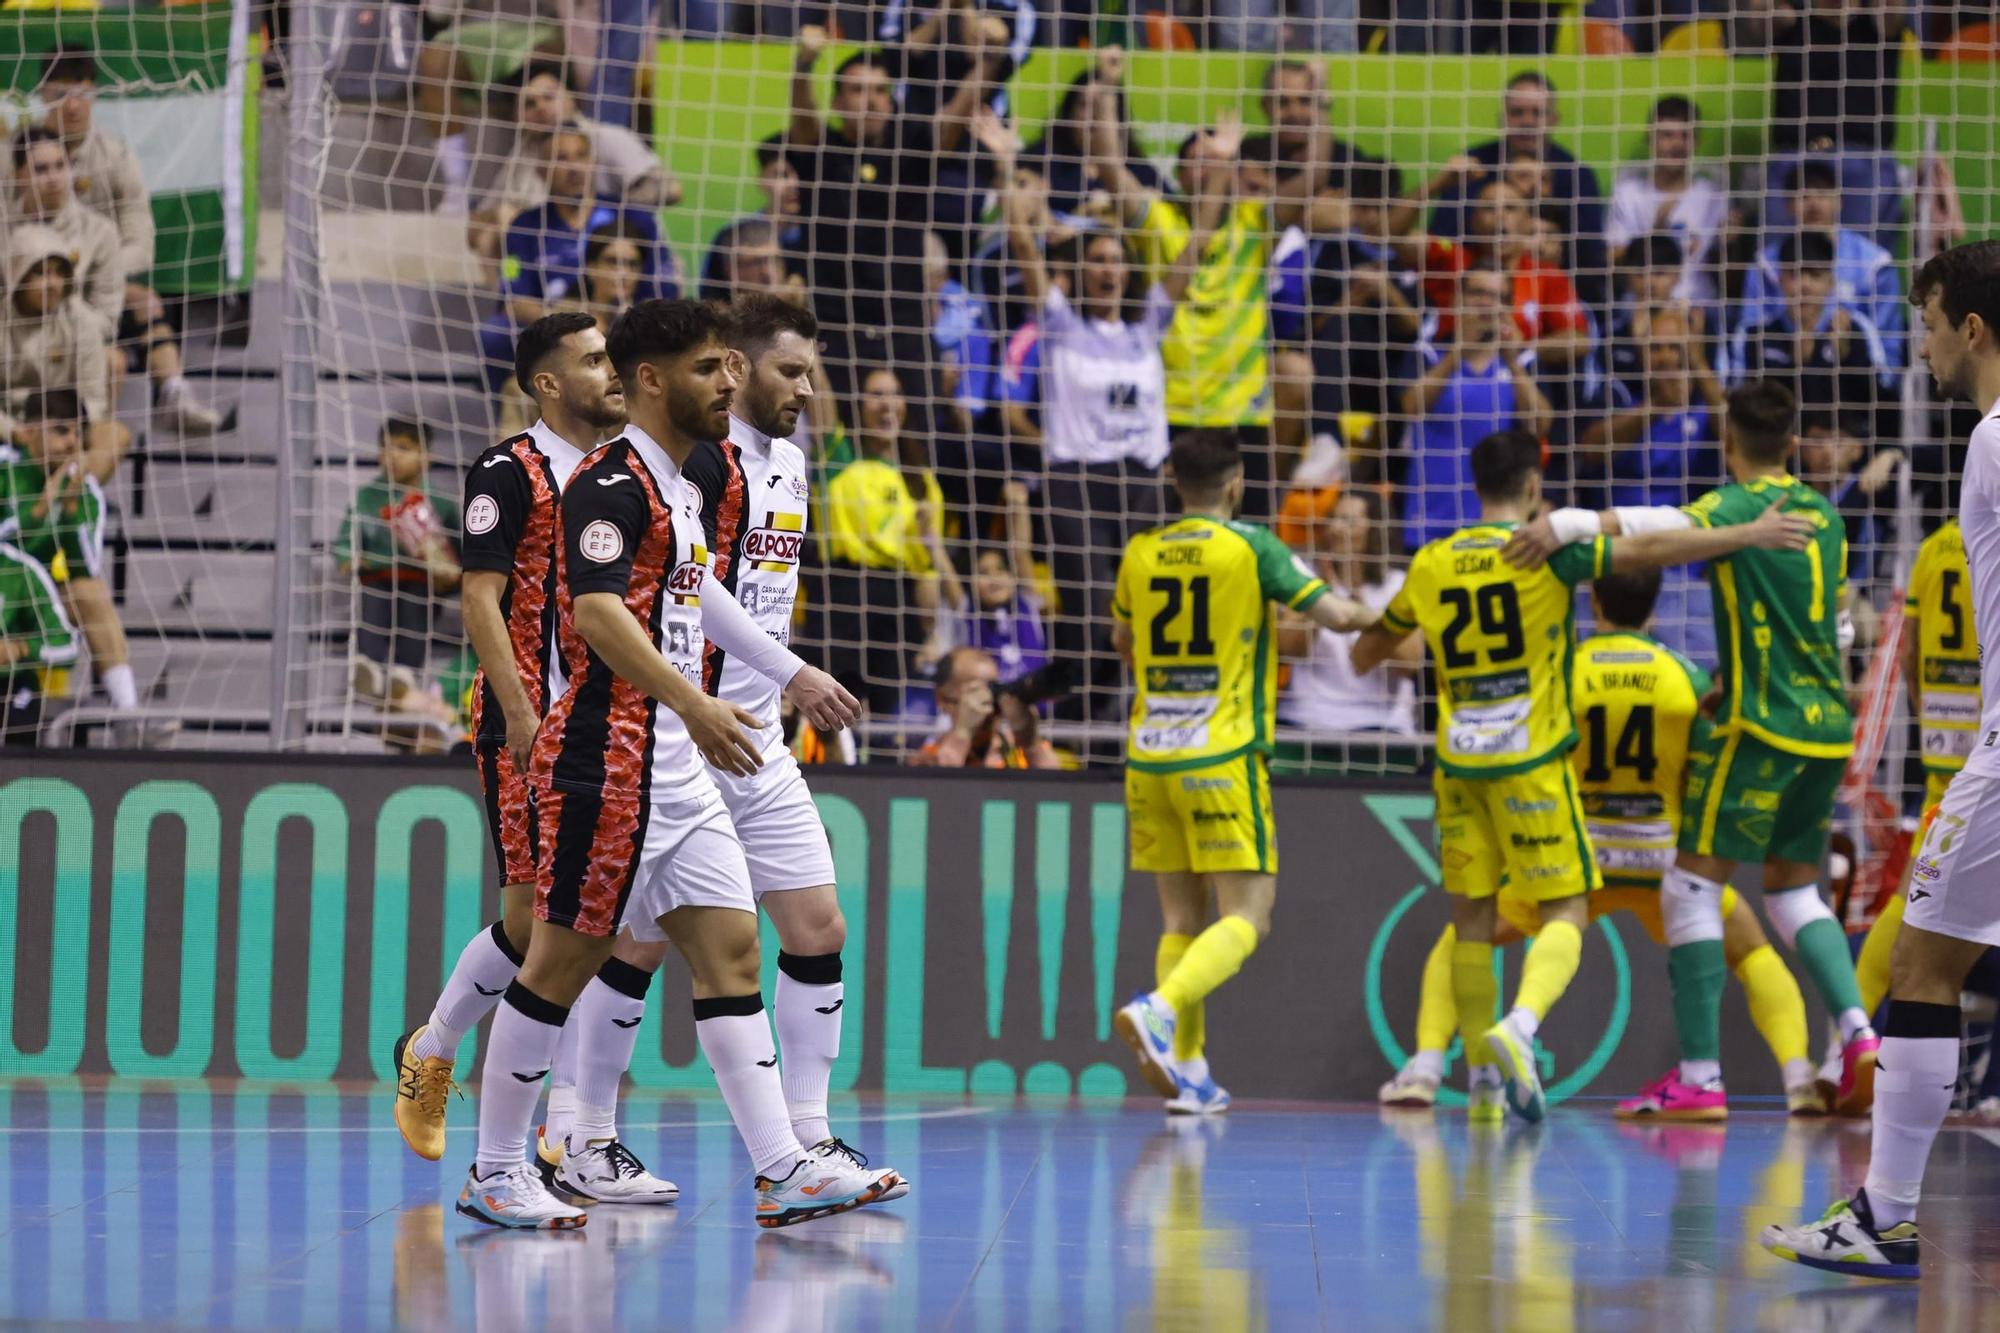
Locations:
column 1214, row 817
column 1220, row 844
column 1546, row 872
column 1926, row 867
column 1206, row 784
column 1528, row 840
column 1765, row 801
column 482, row 515
column 1515, row 807
column 1455, row 858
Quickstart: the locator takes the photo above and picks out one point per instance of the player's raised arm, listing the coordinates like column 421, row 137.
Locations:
column 1772, row 530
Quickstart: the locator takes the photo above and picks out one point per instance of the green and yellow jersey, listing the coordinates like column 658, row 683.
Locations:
column 1216, row 350
column 1638, row 713
column 1939, row 608
column 1500, row 640
column 1777, row 618
column 1198, row 594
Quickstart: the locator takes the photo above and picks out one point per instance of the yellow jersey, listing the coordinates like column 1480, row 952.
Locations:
column 871, row 517
column 1197, row 594
column 1638, row 712
column 1215, row 351
column 1940, row 605
column 1500, row 640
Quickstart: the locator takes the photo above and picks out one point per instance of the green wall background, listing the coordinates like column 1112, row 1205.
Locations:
column 716, row 100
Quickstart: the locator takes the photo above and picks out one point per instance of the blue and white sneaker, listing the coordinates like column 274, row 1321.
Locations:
column 1147, row 1026
column 1204, row 1098
column 1846, row 1240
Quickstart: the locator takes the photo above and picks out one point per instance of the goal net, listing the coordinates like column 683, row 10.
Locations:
column 1411, row 227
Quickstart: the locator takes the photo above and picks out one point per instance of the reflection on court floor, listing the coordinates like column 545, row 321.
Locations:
column 253, row 1208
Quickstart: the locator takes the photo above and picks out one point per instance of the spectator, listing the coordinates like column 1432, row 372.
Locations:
column 1546, row 309
column 1669, row 195
column 35, row 638
column 400, row 545
column 1529, row 110
column 1866, row 278
column 1348, row 546
column 1833, row 99
column 1062, row 157
column 53, row 341
column 1835, row 460
column 869, row 179
column 1832, row 358
column 1105, row 396
column 1289, row 25
column 1295, row 102
column 614, row 270
column 1218, row 371
column 777, row 226
column 987, row 728
column 50, row 506
column 1649, row 272
column 1661, row 445
column 963, row 345
column 544, row 258
column 1479, row 382
column 628, row 171
column 931, row 49
column 465, row 52
column 1004, row 616
column 887, row 566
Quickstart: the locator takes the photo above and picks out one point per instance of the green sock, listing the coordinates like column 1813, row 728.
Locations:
column 1822, row 949
column 1699, row 971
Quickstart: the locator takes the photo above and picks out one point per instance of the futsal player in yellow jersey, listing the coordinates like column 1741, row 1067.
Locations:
column 1194, row 616
column 1501, row 640
column 1638, row 710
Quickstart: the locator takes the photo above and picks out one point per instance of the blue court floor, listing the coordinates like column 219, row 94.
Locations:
column 259, row 1209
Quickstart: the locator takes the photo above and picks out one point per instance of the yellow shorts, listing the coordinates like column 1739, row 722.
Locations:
column 1934, row 785
column 1203, row 820
column 1643, row 904
column 1526, row 828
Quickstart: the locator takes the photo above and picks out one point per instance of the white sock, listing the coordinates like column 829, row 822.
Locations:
column 607, row 1028
column 1700, row 1073
column 485, row 968
column 1430, row 1064
column 518, row 1056
column 1914, row 1080
column 1798, row 1072
column 1852, row 1021
column 560, row 1113
column 454, row 159
column 735, row 1038
column 118, row 683
column 807, row 1009
column 1195, row 1070
column 1525, row 1023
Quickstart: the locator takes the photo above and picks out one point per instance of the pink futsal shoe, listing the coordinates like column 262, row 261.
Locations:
column 1857, row 1074
column 1668, row 1098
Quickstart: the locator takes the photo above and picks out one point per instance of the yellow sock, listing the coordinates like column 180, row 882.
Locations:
column 1188, row 1033
column 1552, row 959
column 1473, row 987
column 1212, row 959
column 1437, row 1005
column 1871, row 970
column 1776, row 1006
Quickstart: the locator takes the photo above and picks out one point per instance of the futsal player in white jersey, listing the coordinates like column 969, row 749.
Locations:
column 1953, row 910
column 753, row 492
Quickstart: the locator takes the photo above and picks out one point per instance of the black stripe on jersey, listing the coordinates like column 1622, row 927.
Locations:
column 728, row 546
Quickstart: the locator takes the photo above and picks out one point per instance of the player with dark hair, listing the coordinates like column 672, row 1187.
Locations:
column 1953, row 910
column 1762, row 788
column 1193, row 617
column 1502, row 639
column 630, row 825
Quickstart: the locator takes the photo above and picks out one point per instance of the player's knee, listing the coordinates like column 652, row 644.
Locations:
column 517, row 920
column 1793, row 910
column 1690, row 908
column 729, row 960
column 819, row 929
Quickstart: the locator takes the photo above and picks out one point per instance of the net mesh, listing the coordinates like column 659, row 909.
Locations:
column 1440, row 221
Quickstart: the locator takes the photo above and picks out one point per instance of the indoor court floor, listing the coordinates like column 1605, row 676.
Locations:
column 246, row 1208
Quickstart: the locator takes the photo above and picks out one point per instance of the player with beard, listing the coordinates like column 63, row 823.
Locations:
column 753, row 488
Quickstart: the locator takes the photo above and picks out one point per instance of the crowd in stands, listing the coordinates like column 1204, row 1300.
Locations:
column 1012, row 331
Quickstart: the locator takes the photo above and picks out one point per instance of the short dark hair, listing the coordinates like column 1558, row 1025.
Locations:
column 871, row 59
column 948, row 668
column 1675, row 107
column 1966, row 279
column 28, row 136
column 1763, row 415
column 1187, row 144
column 658, row 330
column 1287, row 65
column 1203, row 458
column 770, row 149
column 1258, row 149
column 1531, row 78
column 1627, row 599
column 559, row 70
column 620, row 228
column 404, row 428
column 1503, row 462
column 52, row 405
column 1812, row 174
column 756, row 320
column 1656, row 249
column 70, row 64
column 540, row 339
column 1806, row 249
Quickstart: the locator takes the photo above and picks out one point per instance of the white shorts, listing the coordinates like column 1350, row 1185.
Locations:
column 778, row 825
column 1955, row 877
column 690, row 858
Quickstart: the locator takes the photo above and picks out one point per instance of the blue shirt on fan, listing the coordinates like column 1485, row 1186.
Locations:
column 544, row 254
column 1438, row 498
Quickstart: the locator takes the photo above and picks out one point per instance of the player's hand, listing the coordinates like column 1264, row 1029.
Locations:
column 522, row 727
column 1711, row 703
column 1777, row 530
column 997, row 137
column 1531, row 545
column 723, row 733
column 975, row 708
column 61, row 489
column 1111, row 66
column 822, row 700
column 811, row 41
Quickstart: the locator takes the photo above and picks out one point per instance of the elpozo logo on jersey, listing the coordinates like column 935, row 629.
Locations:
column 775, row 547
column 685, row 581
